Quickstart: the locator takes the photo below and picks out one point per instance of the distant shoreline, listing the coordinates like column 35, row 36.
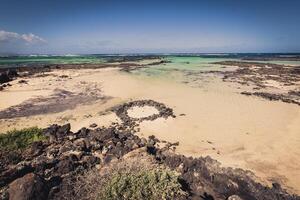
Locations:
column 40, row 60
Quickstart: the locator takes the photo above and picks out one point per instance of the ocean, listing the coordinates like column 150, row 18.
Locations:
column 190, row 61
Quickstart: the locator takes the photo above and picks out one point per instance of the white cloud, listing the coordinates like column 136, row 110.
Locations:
column 7, row 37
column 31, row 38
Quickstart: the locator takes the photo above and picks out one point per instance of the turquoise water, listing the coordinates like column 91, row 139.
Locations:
column 178, row 62
column 183, row 63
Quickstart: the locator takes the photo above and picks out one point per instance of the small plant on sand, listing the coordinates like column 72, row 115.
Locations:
column 20, row 139
column 143, row 184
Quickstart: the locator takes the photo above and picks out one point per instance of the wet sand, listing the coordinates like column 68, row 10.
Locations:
column 237, row 130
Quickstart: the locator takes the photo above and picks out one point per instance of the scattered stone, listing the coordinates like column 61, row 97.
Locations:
column 258, row 75
column 121, row 111
column 234, row 197
column 63, row 76
column 23, row 81
column 246, row 93
column 93, row 125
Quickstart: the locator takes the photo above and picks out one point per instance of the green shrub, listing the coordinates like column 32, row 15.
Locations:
column 20, row 139
column 150, row 184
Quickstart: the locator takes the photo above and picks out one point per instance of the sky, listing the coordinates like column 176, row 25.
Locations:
column 153, row 26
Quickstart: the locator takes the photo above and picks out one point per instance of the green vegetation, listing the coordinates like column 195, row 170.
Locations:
column 20, row 139
column 151, row 184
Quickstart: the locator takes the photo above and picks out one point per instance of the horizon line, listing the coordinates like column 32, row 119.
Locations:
column 141, row 53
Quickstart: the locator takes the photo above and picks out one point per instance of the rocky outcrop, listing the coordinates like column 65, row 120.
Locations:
column 8, row 75
column 204, row 178
column 48, row 166
column 66, row 153
column 260, row 75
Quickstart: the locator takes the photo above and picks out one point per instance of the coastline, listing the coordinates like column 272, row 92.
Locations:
column 214, row 119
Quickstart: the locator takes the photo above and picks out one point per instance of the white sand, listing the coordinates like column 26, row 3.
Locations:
column 141, row 112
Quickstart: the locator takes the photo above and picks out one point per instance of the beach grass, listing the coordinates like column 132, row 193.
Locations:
column 20, row 139
column 142, row 184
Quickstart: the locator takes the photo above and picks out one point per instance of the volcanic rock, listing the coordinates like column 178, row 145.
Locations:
column 30, row 186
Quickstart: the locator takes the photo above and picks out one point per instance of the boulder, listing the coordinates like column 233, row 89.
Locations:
column 82, row 144
column 83, row 132
column 13, row 173
column 90, row 160
column 36, row 148
column 50, row 132
column 106, row 134
column 67, row 164
column 30, row 186
column 63, row 131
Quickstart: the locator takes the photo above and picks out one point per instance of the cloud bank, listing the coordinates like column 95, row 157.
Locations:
column 11, row 42
column 30, row 38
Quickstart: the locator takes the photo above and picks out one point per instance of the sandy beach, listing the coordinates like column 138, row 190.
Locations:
column 212, row 117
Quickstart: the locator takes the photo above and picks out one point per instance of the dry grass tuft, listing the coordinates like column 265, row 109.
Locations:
column 130, row 178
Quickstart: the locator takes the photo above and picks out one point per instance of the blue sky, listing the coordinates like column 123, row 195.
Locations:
column 157, row 26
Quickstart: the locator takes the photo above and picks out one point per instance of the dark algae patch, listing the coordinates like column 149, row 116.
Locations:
column 258, row 75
